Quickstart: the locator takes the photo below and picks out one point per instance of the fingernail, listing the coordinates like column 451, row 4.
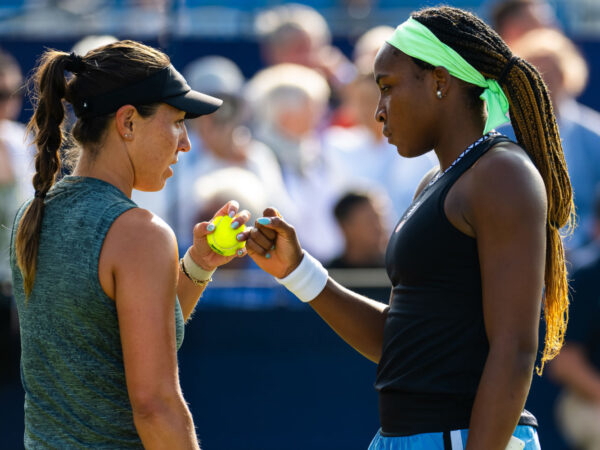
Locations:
column 231, row 214
column 273, row 247
column 267, row 255
column 240, row 252
column 211, row 227
column 240, row 236
column 235, row 224
column 264, row 221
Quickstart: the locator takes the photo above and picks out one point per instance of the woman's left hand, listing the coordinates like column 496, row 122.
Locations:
column 200, row 250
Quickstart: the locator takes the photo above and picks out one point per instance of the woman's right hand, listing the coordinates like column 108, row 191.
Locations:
column 273, row 245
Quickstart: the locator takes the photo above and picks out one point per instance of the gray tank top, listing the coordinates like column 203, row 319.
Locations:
column 71, row 362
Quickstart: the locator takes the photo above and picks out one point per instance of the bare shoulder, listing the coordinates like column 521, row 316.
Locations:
column 501, row 189
column 506, row 183
column 139, row 229
column 507, row 169
column 138, row 244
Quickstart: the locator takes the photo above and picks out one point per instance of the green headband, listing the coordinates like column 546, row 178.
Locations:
column 416, row 40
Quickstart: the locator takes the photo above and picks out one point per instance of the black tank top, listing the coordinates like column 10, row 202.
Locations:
column 435, row 345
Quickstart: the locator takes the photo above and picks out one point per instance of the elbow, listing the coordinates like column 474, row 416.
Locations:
column 519, row 356
column 149, row 405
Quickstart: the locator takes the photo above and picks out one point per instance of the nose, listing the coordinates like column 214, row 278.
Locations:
column 380, row 113
column 184, row 144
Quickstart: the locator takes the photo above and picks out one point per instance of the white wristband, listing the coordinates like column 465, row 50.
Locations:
column 307, row 280
column 194, row 271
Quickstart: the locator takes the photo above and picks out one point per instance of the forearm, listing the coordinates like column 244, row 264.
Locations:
column 188, row 294
column 191, row 283
column 500, row 399
column 356, row 319
column 166, row 425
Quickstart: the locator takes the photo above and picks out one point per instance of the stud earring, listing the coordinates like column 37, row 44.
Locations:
column 439, row 94
column 128, row 136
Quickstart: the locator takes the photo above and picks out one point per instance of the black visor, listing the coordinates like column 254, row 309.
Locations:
column 165, row 86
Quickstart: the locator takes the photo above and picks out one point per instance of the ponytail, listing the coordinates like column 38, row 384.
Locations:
column 536, row 130
column 45, row 125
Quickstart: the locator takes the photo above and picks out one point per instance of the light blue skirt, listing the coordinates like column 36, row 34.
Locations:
column 457, row 440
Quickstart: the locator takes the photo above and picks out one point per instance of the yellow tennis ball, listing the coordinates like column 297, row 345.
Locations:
column 223, row 240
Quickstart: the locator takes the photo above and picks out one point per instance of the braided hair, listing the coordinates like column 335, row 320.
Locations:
column 535, row 127
column 99, row 71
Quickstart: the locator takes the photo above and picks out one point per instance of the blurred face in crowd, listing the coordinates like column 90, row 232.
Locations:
column 364, row 227
column 10, row 95
column 360, row 102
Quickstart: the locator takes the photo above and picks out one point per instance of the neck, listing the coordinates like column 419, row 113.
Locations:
column 114, row 167
column 452, row 145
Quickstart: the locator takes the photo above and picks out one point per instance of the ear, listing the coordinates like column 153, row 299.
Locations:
column 124, row 119
column 441, row 81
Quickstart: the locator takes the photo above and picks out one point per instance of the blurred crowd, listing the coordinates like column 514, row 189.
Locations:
column 301, row 135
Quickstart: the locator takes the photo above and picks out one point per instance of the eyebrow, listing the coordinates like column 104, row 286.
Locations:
column 379, row 76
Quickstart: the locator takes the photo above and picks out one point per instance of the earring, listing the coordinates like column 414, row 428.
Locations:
column 127, row 135
column 439, row 94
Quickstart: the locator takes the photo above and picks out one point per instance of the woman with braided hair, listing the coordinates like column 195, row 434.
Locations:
column 101, row 295
column 471, row 260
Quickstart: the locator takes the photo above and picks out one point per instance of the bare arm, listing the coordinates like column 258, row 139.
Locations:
column 355, row 318
column 506, row 209
column 138, row 269
column 572, row 368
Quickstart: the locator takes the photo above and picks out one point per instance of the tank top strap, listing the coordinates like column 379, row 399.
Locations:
column 471, row 158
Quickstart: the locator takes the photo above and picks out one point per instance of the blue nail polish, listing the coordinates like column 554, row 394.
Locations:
column 267, row 255
column 240, row 252
column 231, row 214
column 239, row 236
column 235, row 224
column 264, row 221
column 211, row 227
column 273, row 247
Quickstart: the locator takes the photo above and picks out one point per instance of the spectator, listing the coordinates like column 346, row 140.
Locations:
column 577, row 366
column 360, row 216
column 16, row 170
column 298, row 34
column 513, row 18
column 288, row 104
column 367, row 46
column 565, row 72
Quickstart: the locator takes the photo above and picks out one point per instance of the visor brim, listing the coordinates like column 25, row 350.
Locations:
column 194, row 103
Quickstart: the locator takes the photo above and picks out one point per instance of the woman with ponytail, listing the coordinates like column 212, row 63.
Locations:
column 101, row 294
column 474, row 261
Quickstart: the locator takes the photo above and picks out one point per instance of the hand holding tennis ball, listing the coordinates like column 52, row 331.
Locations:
column 223, row 240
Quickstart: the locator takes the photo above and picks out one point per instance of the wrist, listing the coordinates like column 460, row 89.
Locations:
column 195, row 255
column 194, row 272
column 307, row 280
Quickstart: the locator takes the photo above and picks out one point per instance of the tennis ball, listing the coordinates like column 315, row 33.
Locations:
column 223, row 240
